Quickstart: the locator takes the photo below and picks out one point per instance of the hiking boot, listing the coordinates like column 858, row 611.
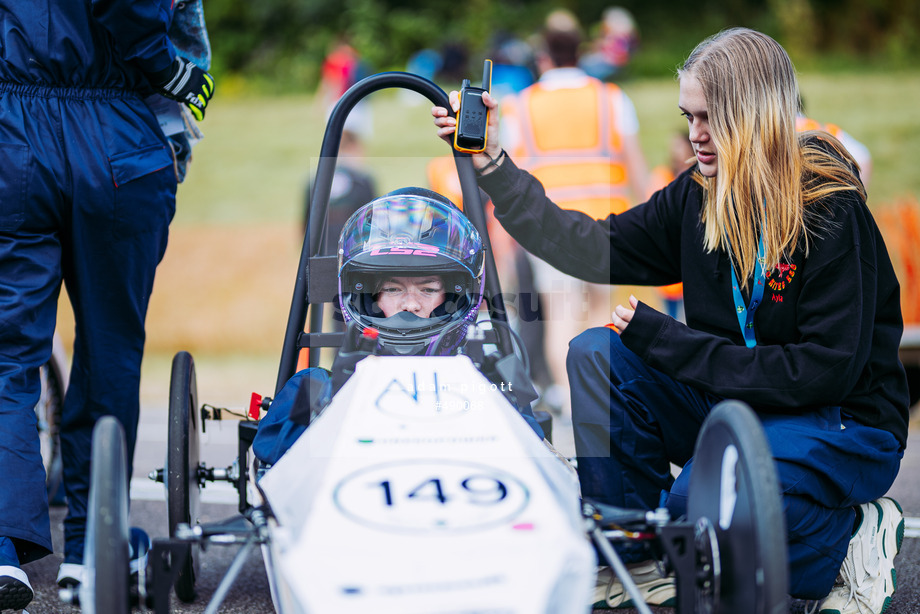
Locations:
column 867, row 577
column 655, row 589
column 15, row 590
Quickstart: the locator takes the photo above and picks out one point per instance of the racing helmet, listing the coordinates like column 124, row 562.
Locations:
column 411, row 232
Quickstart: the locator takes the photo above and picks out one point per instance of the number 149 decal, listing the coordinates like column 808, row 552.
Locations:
column 431, row 495
column 478, row 490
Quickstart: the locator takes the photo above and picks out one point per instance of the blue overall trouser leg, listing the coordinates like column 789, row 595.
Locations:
column 632, row 421
column 28, row 307
column 117, row 239
column 87, row 194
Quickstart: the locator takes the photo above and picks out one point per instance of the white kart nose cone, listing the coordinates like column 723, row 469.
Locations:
column 420, row 489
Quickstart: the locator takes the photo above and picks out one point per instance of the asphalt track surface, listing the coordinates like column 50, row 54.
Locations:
column 250, row 593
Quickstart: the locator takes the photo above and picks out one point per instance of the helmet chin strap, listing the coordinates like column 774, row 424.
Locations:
column 404, row 319
column 406, row 334
column 408, row 321
column 406, row 350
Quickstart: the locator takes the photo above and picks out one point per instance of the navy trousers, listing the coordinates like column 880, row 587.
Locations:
column 87, row 191
column 631, row 422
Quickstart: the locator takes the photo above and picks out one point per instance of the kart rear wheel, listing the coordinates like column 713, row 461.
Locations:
column 48, row 413
column 105, row 588
column 733, row 484
column 183, row 490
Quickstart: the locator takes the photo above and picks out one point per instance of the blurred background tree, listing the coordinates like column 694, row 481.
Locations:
column 278, row 45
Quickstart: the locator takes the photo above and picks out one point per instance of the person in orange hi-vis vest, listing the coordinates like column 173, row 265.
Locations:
column 525, row 310
column 579, row 137
column 859, row 151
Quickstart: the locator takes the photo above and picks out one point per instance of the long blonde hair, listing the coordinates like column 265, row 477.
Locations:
column 767, row 173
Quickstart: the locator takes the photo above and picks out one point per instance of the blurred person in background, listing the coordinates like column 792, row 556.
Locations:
column 579, row 137
column 512, row 65
column 425, row 63
column 522, row 301
column 614, row 46
column 455, row 58
column 860, row 152
column 342, row 67
column 353, row 185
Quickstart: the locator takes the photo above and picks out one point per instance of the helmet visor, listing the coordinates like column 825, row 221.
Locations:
column 410, row 233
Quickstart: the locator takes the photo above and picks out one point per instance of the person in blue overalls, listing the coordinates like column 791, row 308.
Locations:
column 87, row 191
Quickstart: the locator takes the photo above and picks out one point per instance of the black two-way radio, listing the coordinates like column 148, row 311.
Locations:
column 473, row 116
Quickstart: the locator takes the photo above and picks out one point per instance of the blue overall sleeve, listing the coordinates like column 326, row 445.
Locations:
column 140, row 30
column 277, row 432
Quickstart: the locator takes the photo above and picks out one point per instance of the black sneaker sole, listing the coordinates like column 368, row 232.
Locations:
column 14, row 595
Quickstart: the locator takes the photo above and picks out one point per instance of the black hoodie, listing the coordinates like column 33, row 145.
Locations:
column 828, row 328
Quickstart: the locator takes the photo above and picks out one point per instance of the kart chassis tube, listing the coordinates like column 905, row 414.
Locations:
column 313, row 243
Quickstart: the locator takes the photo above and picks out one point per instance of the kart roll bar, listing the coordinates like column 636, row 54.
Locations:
column 314, row 244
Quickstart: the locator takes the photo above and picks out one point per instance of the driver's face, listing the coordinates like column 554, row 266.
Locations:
column 418, row 295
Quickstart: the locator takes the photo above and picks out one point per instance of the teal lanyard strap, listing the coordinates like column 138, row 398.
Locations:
column 746, row 314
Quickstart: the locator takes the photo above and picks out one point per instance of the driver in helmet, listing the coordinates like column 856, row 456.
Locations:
column 410, row 268
column 411, row 233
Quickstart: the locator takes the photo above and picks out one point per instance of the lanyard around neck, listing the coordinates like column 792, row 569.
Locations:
column 746, row 314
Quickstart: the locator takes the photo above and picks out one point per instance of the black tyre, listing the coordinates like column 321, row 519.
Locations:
column 48, row 414
column 105, row 589
column 734, row 486
column 183, row 491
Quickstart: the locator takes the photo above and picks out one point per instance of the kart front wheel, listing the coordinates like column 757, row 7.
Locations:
column 105, row 587
column 183, row 489
column 735, row 491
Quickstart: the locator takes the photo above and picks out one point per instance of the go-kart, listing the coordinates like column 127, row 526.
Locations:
column 420, row 488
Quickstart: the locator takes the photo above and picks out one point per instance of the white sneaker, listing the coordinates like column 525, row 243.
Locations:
column 70, row 575
column 655, row 589
column 867, row 577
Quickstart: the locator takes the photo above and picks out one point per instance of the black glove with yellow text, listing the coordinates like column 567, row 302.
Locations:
column 184, row 82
